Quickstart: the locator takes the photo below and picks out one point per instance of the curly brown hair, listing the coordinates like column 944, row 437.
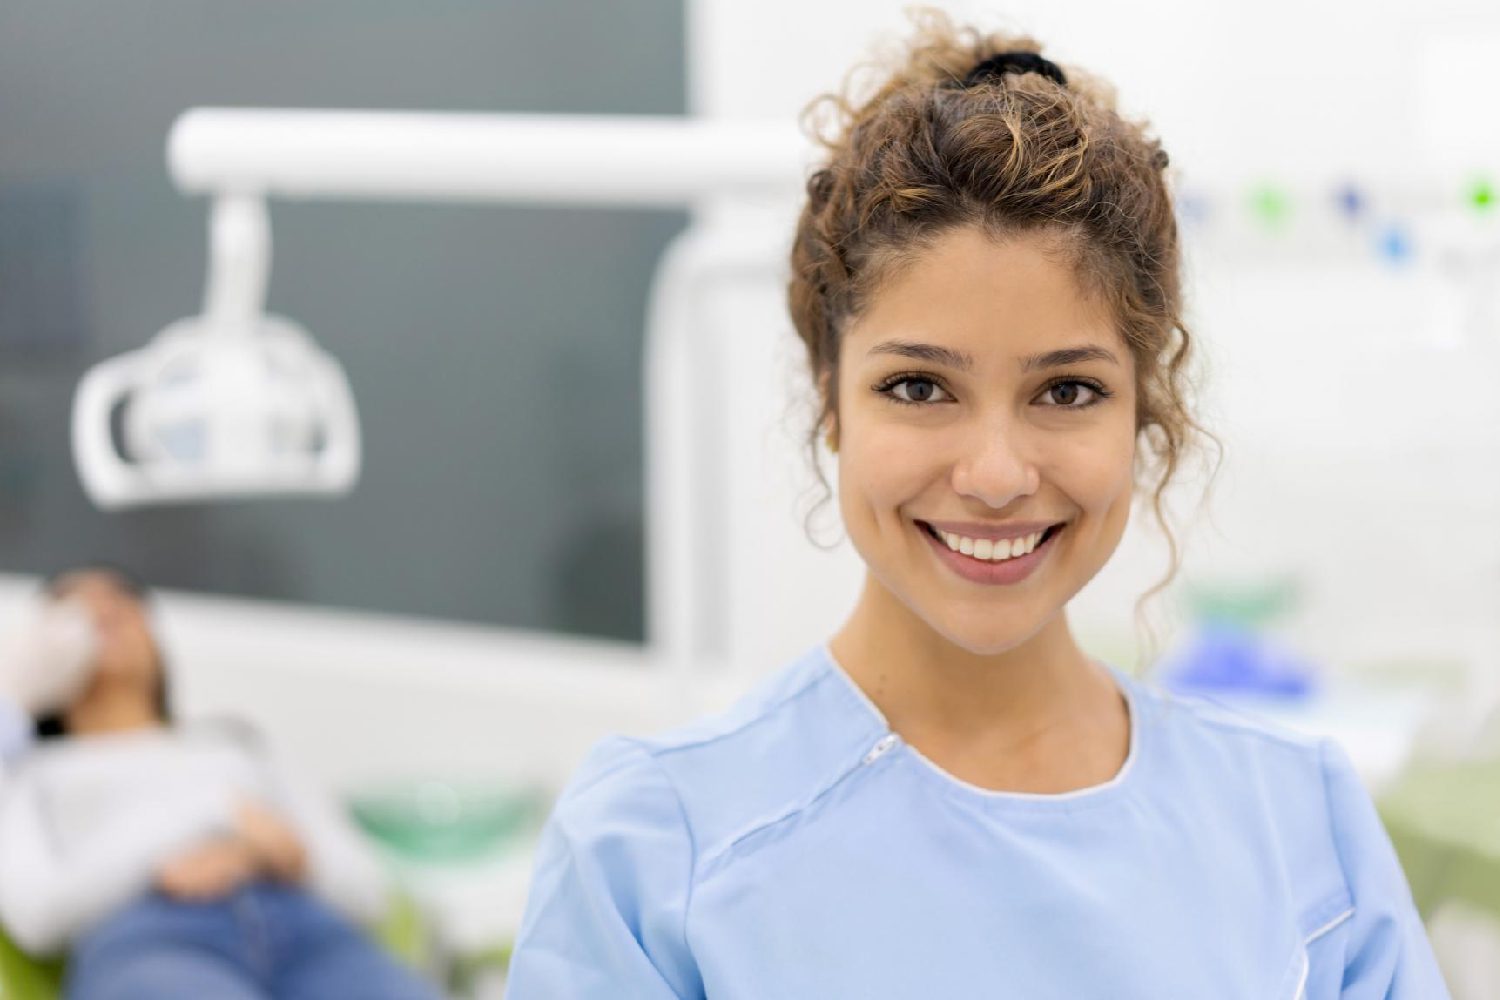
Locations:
column 925, row 153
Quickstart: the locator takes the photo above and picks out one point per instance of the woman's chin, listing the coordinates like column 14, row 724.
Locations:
column 983, row 638
column 983, row 633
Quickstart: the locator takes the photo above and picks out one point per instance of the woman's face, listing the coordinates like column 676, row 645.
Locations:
column 126, row 649
column 956, row 427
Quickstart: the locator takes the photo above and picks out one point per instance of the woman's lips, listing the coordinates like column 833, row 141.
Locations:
column 1007, row 571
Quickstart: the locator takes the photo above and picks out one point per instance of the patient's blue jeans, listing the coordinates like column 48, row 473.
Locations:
column 264, row 941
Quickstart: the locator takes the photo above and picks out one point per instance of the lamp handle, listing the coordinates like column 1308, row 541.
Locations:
column 107, row 478
column 338, row 465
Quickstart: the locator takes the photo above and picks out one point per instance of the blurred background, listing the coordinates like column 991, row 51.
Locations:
column 442, row 644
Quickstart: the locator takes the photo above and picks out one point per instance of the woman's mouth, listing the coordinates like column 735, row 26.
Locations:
column 991, row 561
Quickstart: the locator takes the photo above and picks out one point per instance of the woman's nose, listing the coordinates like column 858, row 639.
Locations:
column 993, row 467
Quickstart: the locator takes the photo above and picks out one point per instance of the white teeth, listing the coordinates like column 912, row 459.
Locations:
column 992, row 550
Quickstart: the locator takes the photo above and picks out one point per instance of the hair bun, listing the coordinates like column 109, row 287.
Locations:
column 996, row 66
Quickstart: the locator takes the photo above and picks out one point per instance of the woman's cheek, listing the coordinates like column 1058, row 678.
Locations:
column 891, row 464
column 1096, row 465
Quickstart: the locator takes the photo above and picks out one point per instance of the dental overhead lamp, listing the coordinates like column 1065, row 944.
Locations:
column 237, row 403
column 230, row 403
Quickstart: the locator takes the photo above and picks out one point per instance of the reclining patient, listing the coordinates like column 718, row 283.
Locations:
column 168, row 860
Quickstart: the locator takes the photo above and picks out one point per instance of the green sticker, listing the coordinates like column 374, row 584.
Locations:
column 1271, row 205
column 1482, row 194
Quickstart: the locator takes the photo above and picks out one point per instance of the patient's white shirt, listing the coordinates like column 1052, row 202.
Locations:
column 85, row 822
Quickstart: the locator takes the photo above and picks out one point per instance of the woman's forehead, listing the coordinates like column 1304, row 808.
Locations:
column 1052, row 357
column 976, row 295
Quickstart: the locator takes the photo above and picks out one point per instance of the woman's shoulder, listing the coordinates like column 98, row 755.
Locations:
column 1202, row 729
column 1273, row 782
column 1211, row 718
column 790, row 737
column 1198, row 738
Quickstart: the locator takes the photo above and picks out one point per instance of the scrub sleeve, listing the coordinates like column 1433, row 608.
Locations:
column 610, row 889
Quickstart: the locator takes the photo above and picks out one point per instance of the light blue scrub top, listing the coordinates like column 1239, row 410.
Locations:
column 794, row 848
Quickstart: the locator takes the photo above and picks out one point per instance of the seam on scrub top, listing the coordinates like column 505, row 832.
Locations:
column 1301, row 992
column 1333, row 827
column 760, row 716
column 687, row 828
column 721, row 857
column 1329, row 926
column 1327, row 909
column 1244, row 726
column 573, row 859
column 613, row 767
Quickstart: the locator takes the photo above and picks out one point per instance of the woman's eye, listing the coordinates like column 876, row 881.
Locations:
column 916, row 390
column 1066, row 394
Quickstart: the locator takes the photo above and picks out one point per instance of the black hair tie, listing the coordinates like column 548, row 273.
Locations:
column 998, row 65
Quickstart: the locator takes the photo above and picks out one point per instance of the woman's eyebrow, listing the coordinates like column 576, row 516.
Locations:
column 946, row 356
column 930, row 353
column 1068, row 356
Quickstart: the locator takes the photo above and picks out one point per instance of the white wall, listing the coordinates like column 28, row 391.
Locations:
column 1325, row 84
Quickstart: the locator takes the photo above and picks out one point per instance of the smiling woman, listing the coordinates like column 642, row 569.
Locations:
column 950, row 797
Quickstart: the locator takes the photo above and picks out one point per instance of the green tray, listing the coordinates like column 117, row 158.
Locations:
column 439, row 821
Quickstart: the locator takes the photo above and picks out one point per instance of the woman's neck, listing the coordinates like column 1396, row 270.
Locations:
column 911, row 670
column 1031, row 709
